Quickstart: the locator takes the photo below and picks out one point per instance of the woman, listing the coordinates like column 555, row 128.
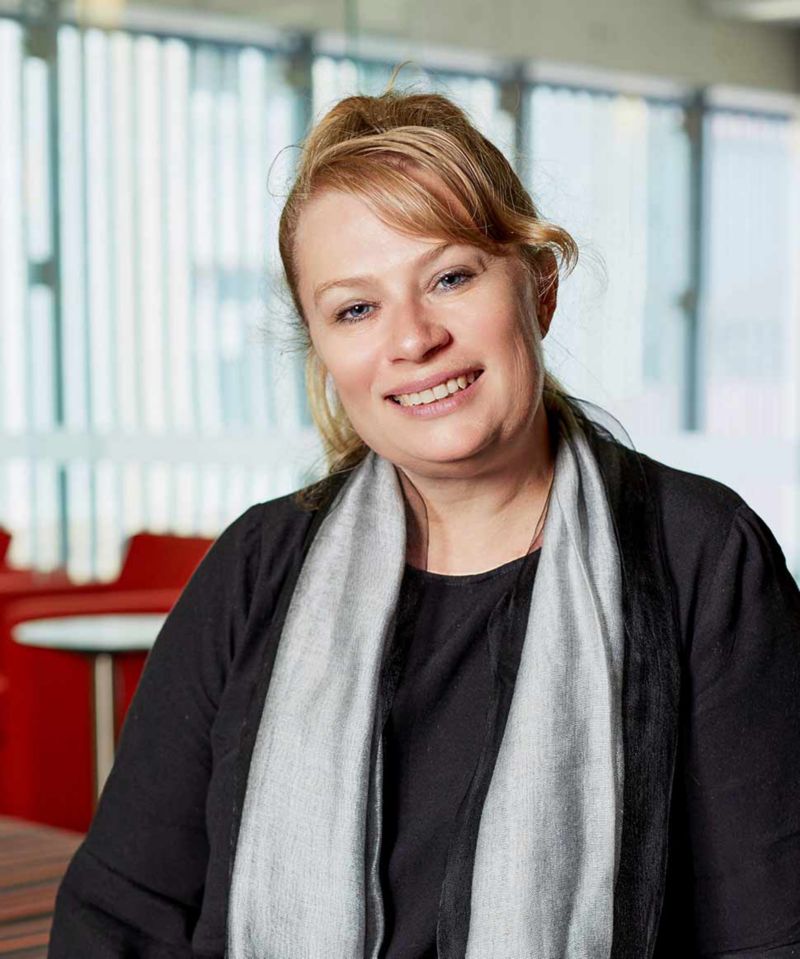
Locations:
column 499, row 686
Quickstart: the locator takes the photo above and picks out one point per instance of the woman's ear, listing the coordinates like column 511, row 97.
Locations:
column 547, row 290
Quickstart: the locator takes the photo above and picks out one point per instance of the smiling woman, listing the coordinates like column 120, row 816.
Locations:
column 497, row 686
column 396, row 339
column 412, row 175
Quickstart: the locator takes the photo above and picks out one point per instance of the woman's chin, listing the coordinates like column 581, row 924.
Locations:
column 437, row 446
column 435, row 458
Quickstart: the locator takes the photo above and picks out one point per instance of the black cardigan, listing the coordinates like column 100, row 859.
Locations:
column 711, row 717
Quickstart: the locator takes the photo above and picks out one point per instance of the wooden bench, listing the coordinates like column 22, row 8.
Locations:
column 33, row 859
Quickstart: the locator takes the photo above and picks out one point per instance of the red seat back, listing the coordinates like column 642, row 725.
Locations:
column 159, row 561
column 5, row 542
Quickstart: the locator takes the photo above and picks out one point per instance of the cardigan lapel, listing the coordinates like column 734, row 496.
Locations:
column 651, row 688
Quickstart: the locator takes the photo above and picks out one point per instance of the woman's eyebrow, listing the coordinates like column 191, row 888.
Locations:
column 427, row 257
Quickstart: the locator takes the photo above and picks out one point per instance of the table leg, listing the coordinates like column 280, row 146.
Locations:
column 103, row 674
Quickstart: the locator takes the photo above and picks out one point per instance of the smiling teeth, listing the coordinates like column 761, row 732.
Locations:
column 438, row 392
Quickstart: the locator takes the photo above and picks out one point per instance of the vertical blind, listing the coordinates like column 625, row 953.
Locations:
column 615, row 171
column 181, row 401
column 751, row 341
column 149, row 377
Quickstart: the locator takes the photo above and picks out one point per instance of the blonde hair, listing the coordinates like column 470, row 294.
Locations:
column 371, row 147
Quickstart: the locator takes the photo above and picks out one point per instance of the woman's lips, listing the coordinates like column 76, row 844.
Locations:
column 441, row 406
column 433, row 380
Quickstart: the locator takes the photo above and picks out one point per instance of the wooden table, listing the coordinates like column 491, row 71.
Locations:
column 100, row 637
column 33, row 859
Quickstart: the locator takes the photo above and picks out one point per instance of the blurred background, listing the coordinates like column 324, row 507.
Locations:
column 149, row 390
column 145, row 382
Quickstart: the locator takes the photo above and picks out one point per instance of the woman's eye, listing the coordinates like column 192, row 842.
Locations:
column 351, row 314
column 454, row 278
column 447, row 281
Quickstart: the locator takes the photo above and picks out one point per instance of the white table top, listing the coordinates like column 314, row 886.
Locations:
column 110, row 633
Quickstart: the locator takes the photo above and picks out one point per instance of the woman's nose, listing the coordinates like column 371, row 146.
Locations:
column 415, row 332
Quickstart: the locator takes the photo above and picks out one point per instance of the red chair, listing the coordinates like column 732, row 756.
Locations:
column 45, row 728
column 5, row 542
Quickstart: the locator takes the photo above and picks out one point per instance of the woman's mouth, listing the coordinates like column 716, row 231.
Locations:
column 439, row 392
column 442, row 398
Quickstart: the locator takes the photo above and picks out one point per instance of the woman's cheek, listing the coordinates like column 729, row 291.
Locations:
column 359, row 382
column 356, row 396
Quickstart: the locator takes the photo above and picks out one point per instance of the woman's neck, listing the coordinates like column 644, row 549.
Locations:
column 480, row 523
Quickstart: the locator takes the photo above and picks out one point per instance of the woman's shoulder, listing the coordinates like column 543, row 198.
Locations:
column 704, row 516
column 691, row 504
column 714, row 542
column 266, row 530
column 700, row 500
column 245, row 568
column 696, row 514
column 275, row 532
column 256, row 551
column 275, row 521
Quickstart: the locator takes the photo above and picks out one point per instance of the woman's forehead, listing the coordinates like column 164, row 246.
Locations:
column 338, row 231
column 333, row 214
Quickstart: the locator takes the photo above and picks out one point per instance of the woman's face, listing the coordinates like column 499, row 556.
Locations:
column 430, row 346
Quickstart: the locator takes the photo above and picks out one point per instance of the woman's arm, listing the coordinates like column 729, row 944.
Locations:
column 741, row 748
column 135, row 886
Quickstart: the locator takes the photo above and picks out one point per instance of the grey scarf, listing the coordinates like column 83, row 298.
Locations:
column 549, row 838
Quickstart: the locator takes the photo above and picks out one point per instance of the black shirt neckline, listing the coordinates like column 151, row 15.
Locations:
column 423, row 576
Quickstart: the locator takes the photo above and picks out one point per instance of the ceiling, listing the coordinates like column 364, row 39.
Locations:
column 764, row 11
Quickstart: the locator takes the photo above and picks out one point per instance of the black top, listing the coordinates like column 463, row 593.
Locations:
column 152, row 878
column 434, row 736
